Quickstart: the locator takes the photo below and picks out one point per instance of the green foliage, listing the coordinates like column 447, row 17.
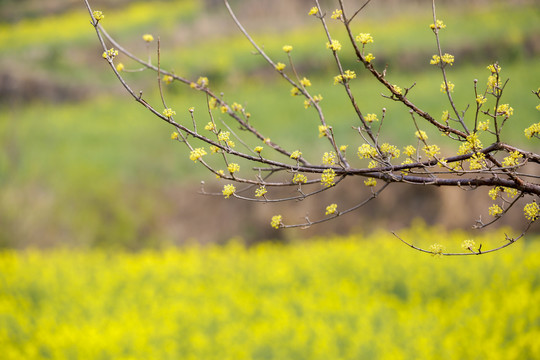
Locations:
column 335, row 298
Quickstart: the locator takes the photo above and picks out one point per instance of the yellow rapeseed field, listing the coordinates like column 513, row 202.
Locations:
column 337, row 298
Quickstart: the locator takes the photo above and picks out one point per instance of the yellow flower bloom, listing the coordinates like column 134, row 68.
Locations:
column 532, row 130
column 495, row 210
column 431, row 150
column 98, row 15
column 337, row 14
column 148, row 38
column 305, row 82
column 444, row 87
column 532, row 211
column 196, row 154
column 436, row 250
column 174, row 136
column 299, row 178
column 369, row 57
column 276, row 221
column 169, row 112
column 327, row 177
column 438, row 25
column 366, row 151
column 120, row 67
column 331, row 209
column 287, row 48
column 364, row 38
column 280, row 66
column 313, row 11
column 421, row 135
column 323, row 131
column 296, row 154
column 370, row 182
column 335, row 45
column 167, row 79
column 228, row 190
column 505, row 110
column 261, row 191
column 258, row 149
column 512, row 159
column 210, row 126
column 371, row 118
column 329, row 158
column 233, row 167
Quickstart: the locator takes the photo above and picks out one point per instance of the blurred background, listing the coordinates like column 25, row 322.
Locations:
column 83, row 165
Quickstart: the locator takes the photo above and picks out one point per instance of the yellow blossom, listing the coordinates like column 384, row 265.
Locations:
column 505, row 110
column 323, row 131
column 435, row 59
column 397, row 89
column 483, row 125
column 224, row 136
column 329, row 158
column 493, row 193
column 371, row 117
column 431, row 150
column 167, row 79
column 233, row 167
column 98, row 15
column 280, row 66
column 369, row 57
column 421, row 135
column 447, row 87
column 174, row 136
column 296, row 155
column 337, row 14
column 390, row 150
column 236, row 107
column 493, row 82
column 370, row 182
column 494, row 68
column 532, row 130
column 438, row 25
column 148, row 38
column 495, row 210
column 448, row 59
column 532, row 211
column 202, row 81
column 343, row 148
column 477, row 161
column 305, row 82
column 110, row 54
column 510, row 192
column 276, row 221
column 228, row 190
column 299, row 178
column 437, row 250
column 120, row 67
column 410, row 150
column 331, row 209
column 327, row 177
column 512, row 159
column 169, row 112
column 258, row 149
column 295, row 91
column 210, row 126
column 481, row 99
column 364, row 38
column 468, row 245
column 313, row 11
column 287, row 48
column 366, row 151
column 220, row 174
column 214, row 149
column 261, row 191
column 445, row 116
column 334, row 45
column 196, row 154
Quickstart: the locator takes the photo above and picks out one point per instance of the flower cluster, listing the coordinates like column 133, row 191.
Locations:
column 364, row 38
column 370, row 182
column 445, row 59
column 495, row 210
column 329, row 158
column 297, row 154
column 299, row 178
column 196, row 154
column 233, row 167
column 447, row 87
column 505, row 110
column 276, row 221
column 512, row 159
column 110, row 54
column 468, row 245
column 335, row 45
column 323, row 131
column 287, row 48
column 342, row 79
column 436, row 249
column 371, row 118
column 431, row 150
column 228, row 190
column 390, row 150
column 98, row 15
column 313, row 11
column 366, row 151
column 337, row 14
column 532, row 211
column 261, row 191
column 327, row 177
column 421, row 135
column 533, row 130
column 280, row 66
column 169, row 112
column 148, row 38
column 331, row 209
column 438, row 25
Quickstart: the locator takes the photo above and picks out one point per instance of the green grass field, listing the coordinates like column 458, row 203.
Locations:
column 334, row 298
